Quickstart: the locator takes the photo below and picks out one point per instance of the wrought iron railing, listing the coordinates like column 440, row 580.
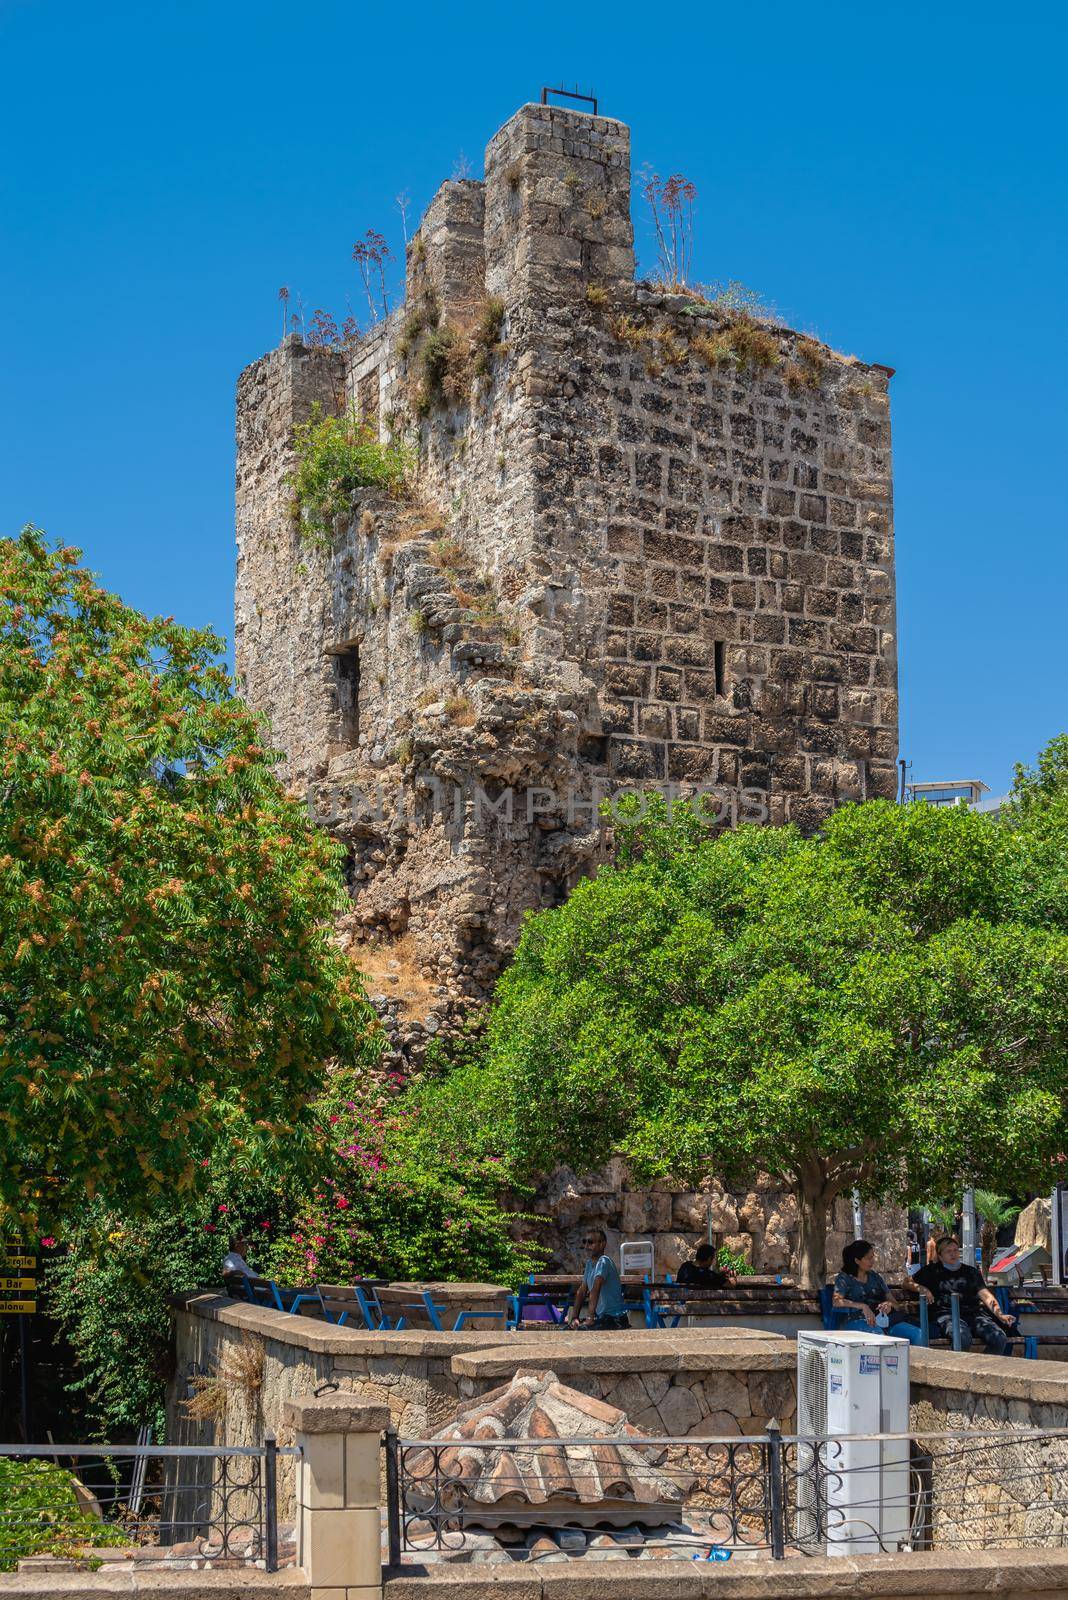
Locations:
column 195, row 1503
column 768, row 1493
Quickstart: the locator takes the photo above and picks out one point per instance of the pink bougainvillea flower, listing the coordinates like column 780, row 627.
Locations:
column 224, row 1208
column 48, row 1244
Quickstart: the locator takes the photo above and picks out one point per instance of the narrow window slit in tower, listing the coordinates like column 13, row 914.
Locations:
column 719, row 661
column 347, row 678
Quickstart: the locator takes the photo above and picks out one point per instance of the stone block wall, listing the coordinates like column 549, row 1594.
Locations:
column 759, row 1223
column 659, row 568
column 622, row 563
column 692, row 1385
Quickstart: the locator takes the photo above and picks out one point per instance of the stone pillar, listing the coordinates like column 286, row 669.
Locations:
column 446, row 255
column 278, row 613
column 557, row 204
column 338, row 1510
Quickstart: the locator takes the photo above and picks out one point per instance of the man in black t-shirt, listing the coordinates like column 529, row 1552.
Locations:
column 702, row 1272
column 979, row 1311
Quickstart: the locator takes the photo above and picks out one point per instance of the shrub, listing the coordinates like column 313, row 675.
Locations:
column 110, row 1291
column 403, row 1197
column 335, row 457
column 729, row 1260
column 444, row 369
column 40, row 1515
column 596, row 295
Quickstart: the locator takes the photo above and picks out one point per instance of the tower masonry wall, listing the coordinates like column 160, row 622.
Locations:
column 645, row 542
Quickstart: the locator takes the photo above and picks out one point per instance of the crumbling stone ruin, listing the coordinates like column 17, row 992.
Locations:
column 643, row 549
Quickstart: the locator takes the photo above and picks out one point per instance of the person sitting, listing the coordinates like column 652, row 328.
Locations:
column 702, row 1272
column 601, row 1286
column 979, row 1311
column 235, row 1263
column 859, row 1288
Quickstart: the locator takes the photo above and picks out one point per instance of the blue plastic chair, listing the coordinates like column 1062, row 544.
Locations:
column 1030, row 1340
column 833, row 1316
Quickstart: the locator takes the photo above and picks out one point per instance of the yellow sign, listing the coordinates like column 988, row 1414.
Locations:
column 17, row 1284
column 17, row 1263
column 12, row 1308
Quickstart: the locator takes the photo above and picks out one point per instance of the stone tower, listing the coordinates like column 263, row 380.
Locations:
column 648, row 544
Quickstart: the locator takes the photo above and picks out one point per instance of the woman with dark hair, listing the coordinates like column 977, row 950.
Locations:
column 859, row 1288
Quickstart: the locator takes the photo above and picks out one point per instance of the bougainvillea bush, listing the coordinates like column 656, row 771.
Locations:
column 399, row 1198
column 392, row 1193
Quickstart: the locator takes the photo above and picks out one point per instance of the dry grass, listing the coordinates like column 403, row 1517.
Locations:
column 367, row 524
column 424, row 517
column 460, row 711
column 449, row 555
column 596, row 206
column 207, row 1403
column 743, row 341
column 812, row 353
column 241, row 1365
column 395, row 969
column 628, row 330
column 672, row 350
column 596, row 295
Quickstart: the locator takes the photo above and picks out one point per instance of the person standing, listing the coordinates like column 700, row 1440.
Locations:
column 979, row 1310
column 600, row 1287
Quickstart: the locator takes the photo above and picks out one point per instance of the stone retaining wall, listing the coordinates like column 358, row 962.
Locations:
column 685, row 1384
column 1004, row 1491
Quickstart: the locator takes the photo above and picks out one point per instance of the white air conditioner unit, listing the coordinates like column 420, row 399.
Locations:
column 636, row 1255
column 852, row 1493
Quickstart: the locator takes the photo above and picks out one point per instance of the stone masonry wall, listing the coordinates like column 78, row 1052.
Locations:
column 759, row 1223
column 624, row 561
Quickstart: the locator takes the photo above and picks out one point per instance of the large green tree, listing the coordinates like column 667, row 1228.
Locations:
column 168, row 977
column 874, row 1008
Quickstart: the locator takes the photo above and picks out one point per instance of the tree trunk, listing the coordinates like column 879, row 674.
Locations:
column 812, row 1236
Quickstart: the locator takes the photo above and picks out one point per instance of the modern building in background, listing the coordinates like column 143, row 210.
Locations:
column 956, row 792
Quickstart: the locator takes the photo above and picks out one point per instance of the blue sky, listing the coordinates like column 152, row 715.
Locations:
column 891, row 177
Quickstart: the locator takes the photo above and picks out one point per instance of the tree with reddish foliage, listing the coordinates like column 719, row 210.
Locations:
column 168, row 974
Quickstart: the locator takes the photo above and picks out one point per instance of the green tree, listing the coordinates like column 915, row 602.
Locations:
column 857, row 1010
column 994, row 1211
column 1036, row 823
column 167, row 972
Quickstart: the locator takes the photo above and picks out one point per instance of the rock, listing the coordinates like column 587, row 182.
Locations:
column 722, row 1391
column 679, row 1411
column 1033, row 1225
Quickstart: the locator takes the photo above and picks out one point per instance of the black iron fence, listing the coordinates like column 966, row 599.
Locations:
column 765, row 1494
column 176, row 1503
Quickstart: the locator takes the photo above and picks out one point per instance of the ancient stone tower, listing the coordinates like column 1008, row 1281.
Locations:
column 648, row 543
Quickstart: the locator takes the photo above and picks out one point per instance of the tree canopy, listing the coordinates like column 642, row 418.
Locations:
column 882, row 1007
column 168, row 975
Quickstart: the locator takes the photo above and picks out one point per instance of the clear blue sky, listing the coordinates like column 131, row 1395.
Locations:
column 890, row 176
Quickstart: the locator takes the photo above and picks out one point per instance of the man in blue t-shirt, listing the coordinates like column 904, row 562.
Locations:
column 600, row 1286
